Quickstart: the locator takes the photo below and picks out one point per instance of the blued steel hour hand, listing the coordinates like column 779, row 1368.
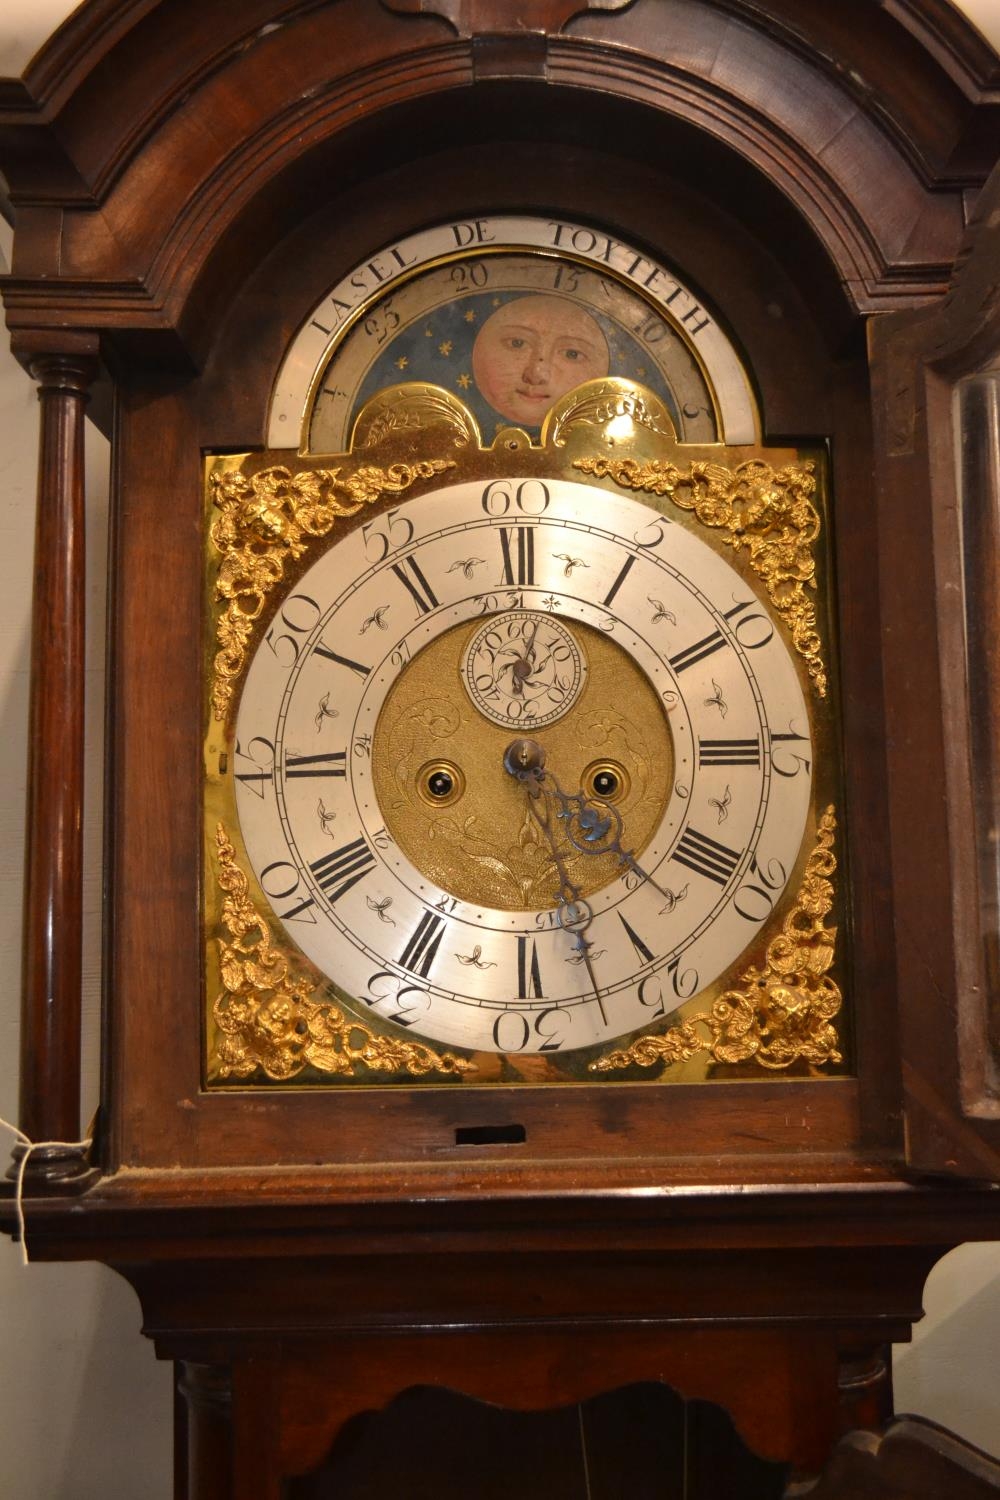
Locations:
column 590, row 825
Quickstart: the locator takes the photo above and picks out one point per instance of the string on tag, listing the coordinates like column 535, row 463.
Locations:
column 29, row 1146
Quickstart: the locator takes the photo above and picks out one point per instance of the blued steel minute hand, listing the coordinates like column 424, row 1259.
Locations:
column 590, row 825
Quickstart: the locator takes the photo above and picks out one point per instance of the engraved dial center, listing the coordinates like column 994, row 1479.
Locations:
column 479, row 842
column 524, row 668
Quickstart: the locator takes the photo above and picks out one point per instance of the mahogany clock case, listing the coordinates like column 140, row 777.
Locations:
column 811, row 388
column 189, row 180
column 599, row 117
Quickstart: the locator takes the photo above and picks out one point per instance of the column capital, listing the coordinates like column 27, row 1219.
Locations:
column 58, row 359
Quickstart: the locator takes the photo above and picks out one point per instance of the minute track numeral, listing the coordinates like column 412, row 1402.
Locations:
column 337, row 872
column 421, row 951
column 743, row 630
column 728, row 752
column 706, row 856
column 411, row 577
column 332, row 764
column 517, row 543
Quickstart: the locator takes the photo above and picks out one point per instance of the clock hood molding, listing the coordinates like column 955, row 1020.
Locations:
column 153, row 149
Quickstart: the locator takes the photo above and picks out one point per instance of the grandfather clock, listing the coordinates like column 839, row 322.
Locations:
column 552, row 793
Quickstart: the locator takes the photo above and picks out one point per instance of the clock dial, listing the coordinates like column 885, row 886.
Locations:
column 412, row 868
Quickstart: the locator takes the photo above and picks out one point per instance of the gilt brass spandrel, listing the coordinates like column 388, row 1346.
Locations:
column 269, row 1020
column 267, row 519
column 768, row 514
column 780, row 1012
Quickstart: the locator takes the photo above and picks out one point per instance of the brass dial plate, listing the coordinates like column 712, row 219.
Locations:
column 333, row 953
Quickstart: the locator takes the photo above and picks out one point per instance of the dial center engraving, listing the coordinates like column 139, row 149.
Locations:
column 483, row 846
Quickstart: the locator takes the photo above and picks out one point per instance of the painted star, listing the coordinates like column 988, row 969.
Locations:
column 445, row 348
column 465, row 381
column 402, row 362
column 428, row 332
column 470, row 316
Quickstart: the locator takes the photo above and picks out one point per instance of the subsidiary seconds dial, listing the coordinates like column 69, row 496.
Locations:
column 403, row 859
column 524, row 668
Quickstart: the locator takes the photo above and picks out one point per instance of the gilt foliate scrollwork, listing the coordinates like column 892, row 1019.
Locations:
column 781, row 1012
column 269, row 518
column 605, row 404
column 267, row 1019
column 410, row 411
column 765, row 513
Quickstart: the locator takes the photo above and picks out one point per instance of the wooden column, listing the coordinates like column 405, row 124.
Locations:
column 50, row 1016
column 207, row 1389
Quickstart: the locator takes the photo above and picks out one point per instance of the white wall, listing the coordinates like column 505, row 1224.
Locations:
column 84, row 1407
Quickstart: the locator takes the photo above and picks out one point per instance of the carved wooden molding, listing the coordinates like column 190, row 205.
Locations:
column 821, row 138
column 913, row 1460
column 916, row 359
column 489, row 17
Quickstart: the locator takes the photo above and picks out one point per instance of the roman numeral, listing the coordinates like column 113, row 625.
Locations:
column 421, row 951
column 335, row 873
column 612, row 591
column 419, row 588
column 518, row 546
column 334, row 764
column 728, row 752
column 697, row 652
column 645, row 954
column 343, row 661
column 529, row 976
column 706, row 856
column 247, row 778
column 713, row 642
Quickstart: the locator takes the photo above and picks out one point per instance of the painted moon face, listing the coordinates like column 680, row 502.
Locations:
column 532, row 351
